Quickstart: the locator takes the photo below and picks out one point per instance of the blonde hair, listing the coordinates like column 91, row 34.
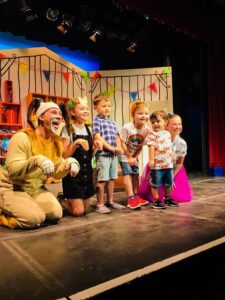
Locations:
column 73, row 103
column 159, row 113
column 171, row 116
column 136, row 105
column 99, row 98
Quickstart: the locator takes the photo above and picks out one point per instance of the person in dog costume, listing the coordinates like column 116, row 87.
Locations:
column 34, row 154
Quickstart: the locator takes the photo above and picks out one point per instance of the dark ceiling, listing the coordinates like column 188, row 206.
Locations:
column 118, row 26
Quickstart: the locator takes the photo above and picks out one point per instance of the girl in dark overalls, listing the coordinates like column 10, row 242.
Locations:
column 78, row 144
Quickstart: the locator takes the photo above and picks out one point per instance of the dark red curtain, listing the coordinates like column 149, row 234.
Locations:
column 203, row 20
column 216, row 84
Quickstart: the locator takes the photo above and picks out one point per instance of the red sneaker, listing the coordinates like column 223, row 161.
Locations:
column 141, row 201
column 133, row 203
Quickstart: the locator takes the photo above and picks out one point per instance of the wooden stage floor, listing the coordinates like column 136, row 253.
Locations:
column 82, row 257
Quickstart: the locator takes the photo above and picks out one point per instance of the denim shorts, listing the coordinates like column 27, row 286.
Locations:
column 129, row 170
column 106, row 167
column 161, row 177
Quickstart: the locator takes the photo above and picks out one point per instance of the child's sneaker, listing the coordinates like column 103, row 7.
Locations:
column 141, row 201
column 171, row 202
column 133, row 203
column 159, row 204
column 103, row 209
column 116, row 205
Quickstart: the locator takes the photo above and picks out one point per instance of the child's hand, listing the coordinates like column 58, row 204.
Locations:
column 151, row 163
column 132, row 161
column 74, row 168
column 117, row 150
column 83, row 143
column 98, row 144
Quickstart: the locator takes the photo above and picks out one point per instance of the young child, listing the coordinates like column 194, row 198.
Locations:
column 105, row 130
column 160, row 159
column 78, row 144
column 132, row 137
column 181, row 191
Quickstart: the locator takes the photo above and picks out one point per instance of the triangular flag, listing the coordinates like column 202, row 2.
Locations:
column 111, row 90
column 66, row 76
column 133, row 95
column 2, row 55
column 106, row 93
column 153, row 87
column 84, row 75
column 47, row 74
column 96, row 75
column 23, row 68
column 70, row 104
column 166, row 71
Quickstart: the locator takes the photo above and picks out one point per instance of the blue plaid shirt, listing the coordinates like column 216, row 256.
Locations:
column 107, row 130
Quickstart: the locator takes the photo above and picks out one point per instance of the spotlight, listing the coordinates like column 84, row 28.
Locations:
column 95, row 35
column 66, row 24
column 3, row 1
column 132, row 47
column 25, row 8
column 52, row 14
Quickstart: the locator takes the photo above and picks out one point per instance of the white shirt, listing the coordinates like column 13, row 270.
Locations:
column 133, row 137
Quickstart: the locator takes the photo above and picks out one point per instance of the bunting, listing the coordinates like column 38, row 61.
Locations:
column 84, row 75
column 96, row 75
column 47, row 74
column 166, row 71
column 111, row 90
column 66, row 76
column 153, row 87
column 70, row 104
column 23, row 68
column 106, row 93
column 133, row 95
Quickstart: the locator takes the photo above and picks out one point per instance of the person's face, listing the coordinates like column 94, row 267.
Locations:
column 158, row 124
column 141, row 116
column 103, row 108
column 51, row 120
column 174, row 125
column 81, row 112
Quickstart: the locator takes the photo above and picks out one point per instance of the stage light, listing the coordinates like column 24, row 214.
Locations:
column 25, row 8
column 132, row 47
column 52, row 14
column 66, row 24
column 97, row 33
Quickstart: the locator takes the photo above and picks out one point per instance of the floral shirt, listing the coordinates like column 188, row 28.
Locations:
column 161, row 140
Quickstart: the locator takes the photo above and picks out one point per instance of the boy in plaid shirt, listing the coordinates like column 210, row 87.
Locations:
column 106, row 166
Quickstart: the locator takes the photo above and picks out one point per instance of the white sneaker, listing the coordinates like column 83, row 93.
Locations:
column 103, row 209
column 117, row 206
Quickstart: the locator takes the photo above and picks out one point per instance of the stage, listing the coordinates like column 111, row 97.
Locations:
column 82, row 257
